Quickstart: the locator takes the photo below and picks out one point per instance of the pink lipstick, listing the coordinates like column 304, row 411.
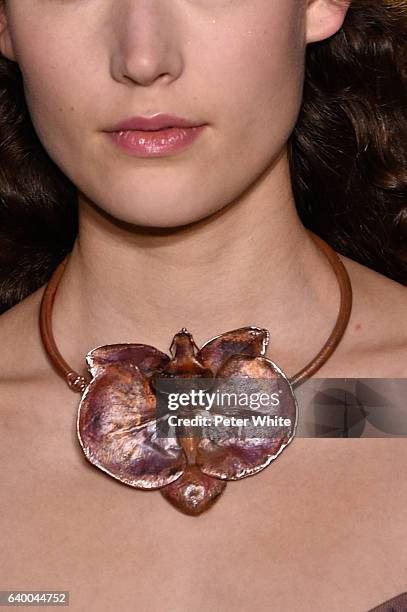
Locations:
column 155, row 136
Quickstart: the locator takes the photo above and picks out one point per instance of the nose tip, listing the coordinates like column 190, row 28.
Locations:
column 148, row 46
column 140, row 71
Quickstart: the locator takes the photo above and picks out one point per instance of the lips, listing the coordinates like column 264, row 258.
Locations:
column 155, row 123
column 157, row 143
column 156, row 136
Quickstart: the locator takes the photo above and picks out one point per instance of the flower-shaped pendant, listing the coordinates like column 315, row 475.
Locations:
column 124, row 431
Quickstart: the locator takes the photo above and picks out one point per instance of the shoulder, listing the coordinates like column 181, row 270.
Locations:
column 29, row 390
column 376, row 343
column 22, row 357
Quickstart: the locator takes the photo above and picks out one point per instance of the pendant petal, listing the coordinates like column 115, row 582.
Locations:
column 194, row 492
column 233, row 452
column 249, row 340
column 117, row 429
column 147, row 358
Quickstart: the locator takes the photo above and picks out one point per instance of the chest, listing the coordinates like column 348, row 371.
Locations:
column 326, row 512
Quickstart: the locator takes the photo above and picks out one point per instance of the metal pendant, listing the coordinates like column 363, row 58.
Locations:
column 122, row 424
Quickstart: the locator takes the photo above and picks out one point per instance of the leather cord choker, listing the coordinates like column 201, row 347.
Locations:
column 188, row 422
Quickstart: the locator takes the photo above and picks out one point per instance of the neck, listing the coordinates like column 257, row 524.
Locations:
column 252, row 263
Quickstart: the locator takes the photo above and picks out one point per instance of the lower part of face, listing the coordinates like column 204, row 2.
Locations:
column 235, row 66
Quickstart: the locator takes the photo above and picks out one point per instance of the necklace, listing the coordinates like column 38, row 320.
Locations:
column 127, row 427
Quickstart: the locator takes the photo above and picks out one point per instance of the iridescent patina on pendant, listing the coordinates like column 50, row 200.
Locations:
column 118, row 422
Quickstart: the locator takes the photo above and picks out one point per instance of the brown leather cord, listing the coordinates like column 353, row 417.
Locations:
column 78, row 383
column 342, row 321
column 75, row 381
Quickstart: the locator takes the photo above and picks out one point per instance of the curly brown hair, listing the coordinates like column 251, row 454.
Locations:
column 348, row 151
column 347, row 157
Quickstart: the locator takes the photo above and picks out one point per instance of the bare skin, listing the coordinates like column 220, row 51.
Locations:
column 319, row 529
column 333, row 540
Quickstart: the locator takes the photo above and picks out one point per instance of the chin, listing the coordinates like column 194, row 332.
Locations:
column 163, row 217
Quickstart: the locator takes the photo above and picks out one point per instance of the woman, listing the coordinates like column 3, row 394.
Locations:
column 202, row 228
